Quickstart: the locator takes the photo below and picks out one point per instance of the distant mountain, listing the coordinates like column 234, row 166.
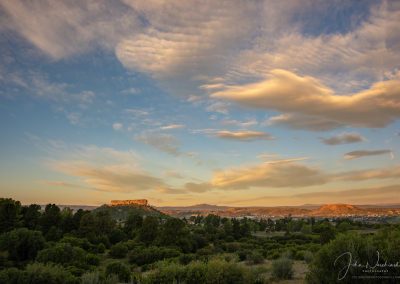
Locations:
column 338, row 210
column 122, row 212
column 200, row 207
column 326, row 210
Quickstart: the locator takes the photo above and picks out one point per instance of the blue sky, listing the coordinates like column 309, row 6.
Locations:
column 243, row 103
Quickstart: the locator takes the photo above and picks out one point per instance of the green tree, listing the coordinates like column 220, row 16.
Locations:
column 31, row 216
column 10, row 214
column 22, row 244
column 133, row 222
column 173, row 232
column 51, row 217
column 118, row 250
column 149, row 230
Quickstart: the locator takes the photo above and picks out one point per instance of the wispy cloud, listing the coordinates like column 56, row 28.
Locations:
column 172, row 126
column 366, row 153
column 305, row 122
column 163, row 142
column 285, row 173
column 344, row 138
column 117, row 126
column 243, row 135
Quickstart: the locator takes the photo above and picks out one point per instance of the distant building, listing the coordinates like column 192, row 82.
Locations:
column 142, row 202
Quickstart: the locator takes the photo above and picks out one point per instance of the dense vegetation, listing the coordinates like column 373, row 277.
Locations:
column 128, row 245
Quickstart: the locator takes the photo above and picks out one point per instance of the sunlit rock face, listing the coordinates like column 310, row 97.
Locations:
column 129, row 202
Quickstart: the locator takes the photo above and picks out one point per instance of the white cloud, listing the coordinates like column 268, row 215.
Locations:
column 172, row 126
column 287, row 92
column 220, row 107
column 117, row 126
column 243, row 135
column 366, row 153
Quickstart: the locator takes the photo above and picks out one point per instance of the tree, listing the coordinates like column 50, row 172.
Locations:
column 10, row 214
column 173, row 232
column 149, row 230
column 31, row 216
column 22, row 244
column 51, row 217
column 133, row 222
column 118, row 250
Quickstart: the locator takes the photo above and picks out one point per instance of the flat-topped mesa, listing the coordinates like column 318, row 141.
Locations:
column 142, row 202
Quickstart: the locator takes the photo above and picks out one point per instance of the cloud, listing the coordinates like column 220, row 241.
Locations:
column 383, row 173
column 306, row 122
column 105, row 169
column 220, row 107
column 371, row 195
column 172, row 126
column 287, row 92
column 61, row 29
column 243, row 135
column 163, row 142
column 117, row 126
column 189, row 187
column 247, row 123
column 284, row 173
column 74, row 118
column 365, row 153
column 344, row 138
column 113, row 178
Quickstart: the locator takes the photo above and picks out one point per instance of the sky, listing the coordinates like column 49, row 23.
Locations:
column 241, row 103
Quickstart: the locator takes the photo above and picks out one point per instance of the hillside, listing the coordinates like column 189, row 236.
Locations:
column 327, row 210
column 338, row 210
column 122, row 212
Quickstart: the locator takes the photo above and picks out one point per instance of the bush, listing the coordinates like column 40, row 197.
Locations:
column 90, row 278
column 142, row 256
column 196, row 272
column 118, row 250
column 186, row 258
column 120, row 269
column 92, row 259
column 308, row 256
column 221, row 272
column 255, row 258
column 38, row 273
column 64, row 254
column 167, row 273
column 282, row 268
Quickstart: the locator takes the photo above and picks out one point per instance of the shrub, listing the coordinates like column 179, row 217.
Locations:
column 90, row 278
column 255, row 258
column 167, row 273
column 38, row 273
column 186, row 258
column 118, row 250
column 196, row 272
column 282, row 268
column 64, row 254
column 308, row 256
column 92, row 259
column 221, row 272
column 142, row 256
column 120, row 269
